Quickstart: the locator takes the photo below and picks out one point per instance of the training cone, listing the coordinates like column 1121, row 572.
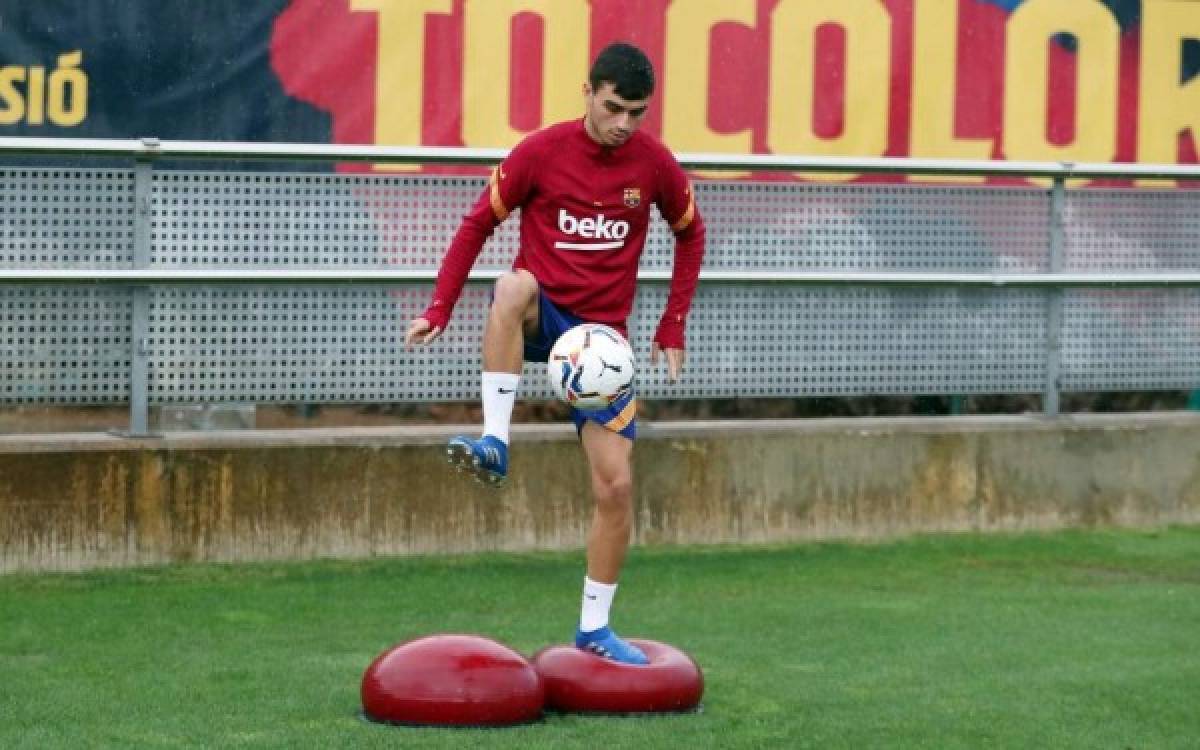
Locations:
column 580, row 682
column 452, row 680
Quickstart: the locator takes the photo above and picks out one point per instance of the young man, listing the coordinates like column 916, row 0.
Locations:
column 584, row 188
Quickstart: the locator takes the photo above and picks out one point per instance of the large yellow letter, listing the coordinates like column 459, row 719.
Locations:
column 685, row 110
column 487, row 36
column 868, row 67
column 14, row 103
column 1166, row 107
column 400, row 69
column 1026, row 79
column 935, row 64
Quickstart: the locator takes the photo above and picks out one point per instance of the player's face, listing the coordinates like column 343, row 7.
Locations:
column 610, row 119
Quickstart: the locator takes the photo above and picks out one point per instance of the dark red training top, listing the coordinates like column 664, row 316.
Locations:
column 585, row 209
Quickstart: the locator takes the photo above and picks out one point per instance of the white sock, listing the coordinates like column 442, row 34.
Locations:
column 597, row 599
column 499, row 395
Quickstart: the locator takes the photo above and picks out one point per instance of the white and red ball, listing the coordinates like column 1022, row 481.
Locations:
column 590, row 366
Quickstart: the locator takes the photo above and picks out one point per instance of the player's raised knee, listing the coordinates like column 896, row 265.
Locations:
column 515, row 291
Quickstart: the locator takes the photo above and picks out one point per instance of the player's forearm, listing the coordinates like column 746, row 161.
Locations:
column 456, row 267
column 685, row 274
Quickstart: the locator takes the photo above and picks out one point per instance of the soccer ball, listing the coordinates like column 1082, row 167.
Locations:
column 590, row 366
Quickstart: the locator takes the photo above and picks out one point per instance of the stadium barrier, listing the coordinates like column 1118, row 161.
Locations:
column 159, row 274
column 97, row 500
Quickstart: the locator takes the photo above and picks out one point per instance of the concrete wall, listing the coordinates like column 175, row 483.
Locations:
column 70, row 502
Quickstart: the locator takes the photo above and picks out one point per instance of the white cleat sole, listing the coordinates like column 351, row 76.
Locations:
column 466, row 462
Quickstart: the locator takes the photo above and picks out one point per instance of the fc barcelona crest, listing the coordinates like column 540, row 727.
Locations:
column 633, row 197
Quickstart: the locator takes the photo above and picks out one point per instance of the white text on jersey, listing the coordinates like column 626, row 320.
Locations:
column 591, row 228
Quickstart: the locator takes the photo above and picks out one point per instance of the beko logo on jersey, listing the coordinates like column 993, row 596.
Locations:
column 591, row 228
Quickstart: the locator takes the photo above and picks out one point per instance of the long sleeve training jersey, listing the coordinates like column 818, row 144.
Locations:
column 585, row 210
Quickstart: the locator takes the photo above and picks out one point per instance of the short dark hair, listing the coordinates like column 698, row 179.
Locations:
column 627, row 68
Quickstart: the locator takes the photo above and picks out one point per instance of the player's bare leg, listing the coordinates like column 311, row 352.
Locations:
column 514, row 312
column 610, row 460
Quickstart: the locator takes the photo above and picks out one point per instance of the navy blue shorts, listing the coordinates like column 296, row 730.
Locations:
column 621, row 415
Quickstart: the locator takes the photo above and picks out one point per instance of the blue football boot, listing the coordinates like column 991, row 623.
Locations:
column 609, row 645
column 486, row 458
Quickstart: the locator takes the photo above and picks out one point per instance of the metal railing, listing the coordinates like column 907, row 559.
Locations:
column 142, row 276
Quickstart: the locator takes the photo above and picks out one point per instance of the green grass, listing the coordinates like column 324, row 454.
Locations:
column 1067, row 640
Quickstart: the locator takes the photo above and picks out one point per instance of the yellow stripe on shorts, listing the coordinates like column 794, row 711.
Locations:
column 622, row 420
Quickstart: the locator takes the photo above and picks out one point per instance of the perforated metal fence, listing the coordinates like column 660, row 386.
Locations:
column 218, row 285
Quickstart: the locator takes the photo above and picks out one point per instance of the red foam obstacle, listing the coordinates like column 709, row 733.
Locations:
column 452, row 680
column 578, row 681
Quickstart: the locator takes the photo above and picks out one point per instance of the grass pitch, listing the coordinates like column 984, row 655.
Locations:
column 1066, row 640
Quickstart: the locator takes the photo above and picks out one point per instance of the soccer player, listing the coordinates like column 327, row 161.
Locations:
column 584, row 188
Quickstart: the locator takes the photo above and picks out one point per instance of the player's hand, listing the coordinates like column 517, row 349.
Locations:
column 674, row 358
column 420, row 332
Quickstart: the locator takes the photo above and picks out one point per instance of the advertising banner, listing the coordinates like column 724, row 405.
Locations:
column 1064, row 80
